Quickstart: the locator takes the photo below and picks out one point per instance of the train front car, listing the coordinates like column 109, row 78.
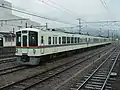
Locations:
column 26, row 46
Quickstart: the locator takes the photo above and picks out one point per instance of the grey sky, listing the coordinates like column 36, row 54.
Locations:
column 89, row 10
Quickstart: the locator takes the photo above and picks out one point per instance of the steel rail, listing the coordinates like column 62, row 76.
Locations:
column 13, row 83
column 94, row 71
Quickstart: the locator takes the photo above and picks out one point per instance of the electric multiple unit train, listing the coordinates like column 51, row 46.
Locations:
column 32, row 44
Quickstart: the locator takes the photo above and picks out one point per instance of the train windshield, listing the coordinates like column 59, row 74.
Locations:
column 33, row 38
column 18, row 38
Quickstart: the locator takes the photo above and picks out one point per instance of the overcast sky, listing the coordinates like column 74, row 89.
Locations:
column 88, row 10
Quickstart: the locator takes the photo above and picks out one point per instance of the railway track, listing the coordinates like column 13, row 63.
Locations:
column 6, row 60
column 11, row 69
column 18, row 68
column 97, row 80
column 31, row 81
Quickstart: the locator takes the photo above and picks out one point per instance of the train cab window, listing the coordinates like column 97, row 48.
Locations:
column 42, row 40
column 59, row 40
column 33, row 38
column 63, row 40
column 18, row 38
column 49, row 40
column 24, row 31
column 68, row 39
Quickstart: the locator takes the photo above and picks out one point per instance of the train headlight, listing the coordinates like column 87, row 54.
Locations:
column 34, row 51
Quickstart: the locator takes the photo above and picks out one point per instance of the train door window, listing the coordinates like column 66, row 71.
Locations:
column 63, row 40
column 24, row 40
column 42, row 40
column 71, row 39
column 55, row 40
column 75, row 39
column 78, row 39
column 49, row 40
column 59, row 40
column 68, row 39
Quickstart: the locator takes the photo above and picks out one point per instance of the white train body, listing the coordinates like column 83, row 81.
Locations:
column 7, row 40
column 32, row 44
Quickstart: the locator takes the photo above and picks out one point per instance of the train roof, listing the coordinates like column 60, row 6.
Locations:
column 63, row 33
column 30, row 29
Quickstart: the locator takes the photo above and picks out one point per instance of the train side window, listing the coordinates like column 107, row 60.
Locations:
column 75, row 39
column 49, row 40
column 78, row 39
column 85, row 39
column 5, row 39
column 59, row 40
column 63, row 40
column 68, row 39
column 42, row 41
column 9, row 39
column 55, row 40
column 71, row 39
column 13, row 39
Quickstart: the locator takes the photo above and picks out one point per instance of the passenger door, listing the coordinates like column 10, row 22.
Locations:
column 42, row 45
column 25, row 44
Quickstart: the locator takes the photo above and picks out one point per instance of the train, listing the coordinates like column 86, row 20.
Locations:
column 32, row 44
column 7, row 43
column 7, row 40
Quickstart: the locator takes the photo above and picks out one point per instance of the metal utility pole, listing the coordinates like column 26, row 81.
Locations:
column 100, row 32
column 79, row 25
column 108, row 33
column 46, row 26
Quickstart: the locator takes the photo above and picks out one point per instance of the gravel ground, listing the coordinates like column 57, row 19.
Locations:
column 13, row 77
column 54, row 82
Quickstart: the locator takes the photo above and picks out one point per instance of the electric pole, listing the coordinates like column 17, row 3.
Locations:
column 46, row 26
column 108, row 33
column 100, row 32
column 79, row 25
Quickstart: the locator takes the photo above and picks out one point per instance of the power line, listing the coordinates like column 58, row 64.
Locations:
column 104, row 21
column 57, row 6
column 13, row 19
column 24, row 12
column 104, row 4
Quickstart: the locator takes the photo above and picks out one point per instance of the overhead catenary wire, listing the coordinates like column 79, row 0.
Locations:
column 28, row 13
column 15, row 19
column 62, row 8
column 59, row 7
column 104, row 4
